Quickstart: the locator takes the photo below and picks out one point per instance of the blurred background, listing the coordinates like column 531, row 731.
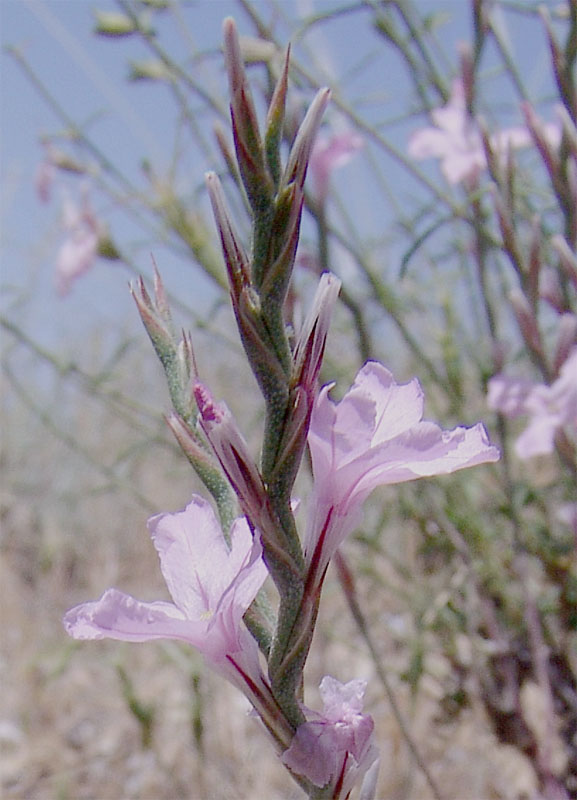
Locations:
column 111, row 114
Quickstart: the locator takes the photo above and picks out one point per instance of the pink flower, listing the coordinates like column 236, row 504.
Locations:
column 79, row 249
column 334, row 748
column 550, row 408
column 375, row 436
column 211, row 588
column 456, row 139
column 330, row 153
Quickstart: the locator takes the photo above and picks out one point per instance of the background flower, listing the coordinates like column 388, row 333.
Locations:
column 79, row 250
column 550, row 408
column 330, row 153
column 456, row 140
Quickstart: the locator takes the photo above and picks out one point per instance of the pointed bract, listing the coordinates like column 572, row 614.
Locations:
column 247, row 139
column 296, row 168
column 310, row 346
column 235, row 256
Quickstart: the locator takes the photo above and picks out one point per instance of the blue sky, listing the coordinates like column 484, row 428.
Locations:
column 86, row 74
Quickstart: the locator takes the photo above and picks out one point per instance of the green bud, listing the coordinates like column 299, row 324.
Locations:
column 107, row 249
column 152, row 70
column 114, row 24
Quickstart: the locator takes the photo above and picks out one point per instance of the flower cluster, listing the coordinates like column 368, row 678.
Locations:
column 214, row 568
column 374, row 436
column 456, row 139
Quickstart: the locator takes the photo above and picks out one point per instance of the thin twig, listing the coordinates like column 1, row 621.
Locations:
column 348, row 587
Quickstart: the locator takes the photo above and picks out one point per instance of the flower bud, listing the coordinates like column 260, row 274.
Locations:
column 155, row 315
column 329, row 153
column 274, row 123
column 508, row 230
column 247, row 140
column 296, row 168
column 152, row 69
column 534, row 271
column 115, row 23
column 310, row 345
column 232, row 451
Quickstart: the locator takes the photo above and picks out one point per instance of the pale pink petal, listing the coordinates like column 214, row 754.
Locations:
column 193, row 554
column 458, row 166
column 340, row 700
column 510, row 138
column 205, row 579
column 538, row 438
column 424, row 451
column 452, row 117
column 456, row 140
column 567, row 514
column 119, row 616
column 75, row 257
column 328, row 524
column 79, row 250
column 375, row 409
column 562, row 395
column 397, row 406
column 428, row 143
column 305, row 756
